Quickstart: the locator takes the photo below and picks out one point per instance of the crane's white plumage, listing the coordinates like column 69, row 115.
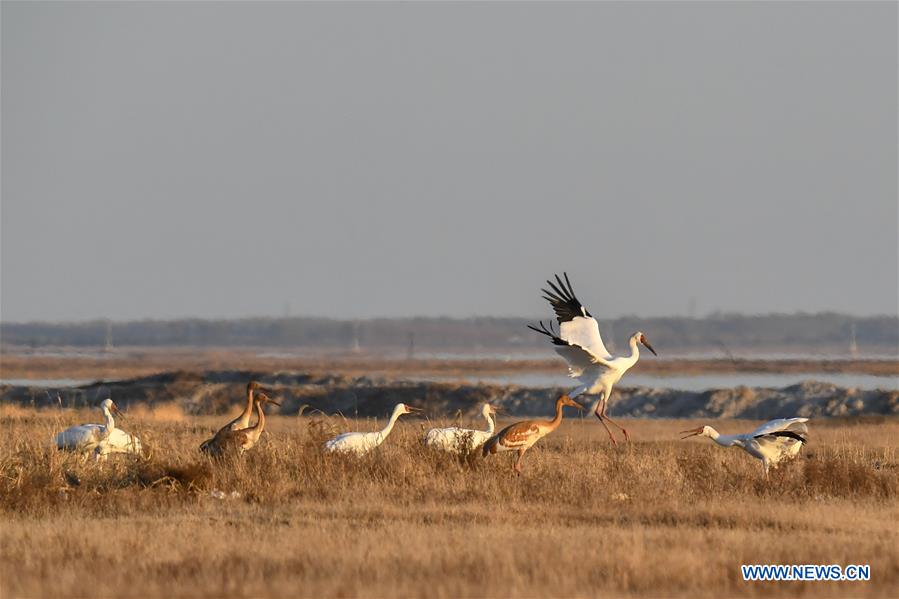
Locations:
column 582, row 364
column 771, row 443
column 782, row 424
column 583, row 331
column 579, row 341
column 101, row 439
column 362, row 443
column 462, row 440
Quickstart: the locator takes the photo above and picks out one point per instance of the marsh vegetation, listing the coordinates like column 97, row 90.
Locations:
column 656, row 516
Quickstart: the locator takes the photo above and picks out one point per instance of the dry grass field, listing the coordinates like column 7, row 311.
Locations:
column 658, row 517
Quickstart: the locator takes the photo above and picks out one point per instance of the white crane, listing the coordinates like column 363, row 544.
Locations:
column 579, row 342
column 772, row 442
column 101, row 439
column 362, row 443
column 462, row 440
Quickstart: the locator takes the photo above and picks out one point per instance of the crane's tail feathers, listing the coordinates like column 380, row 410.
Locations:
column 490, row 445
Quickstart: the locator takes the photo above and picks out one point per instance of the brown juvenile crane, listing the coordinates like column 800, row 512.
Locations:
column 227, row 441
column 521, row 436
column 243, row 419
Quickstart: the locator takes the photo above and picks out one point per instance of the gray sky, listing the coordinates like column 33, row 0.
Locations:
column 357, row 160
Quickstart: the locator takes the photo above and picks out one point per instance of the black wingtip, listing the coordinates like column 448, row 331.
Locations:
column 549, row 332
column 561, row 284
column 561, row 289
column 565, row 304
column 788, row 434
column 570, row 288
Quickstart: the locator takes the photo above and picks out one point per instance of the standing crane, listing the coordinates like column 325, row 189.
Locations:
column 362, row 443
column 521, row 436
column 243, row 419
column 579, row 342
column 771, row 443
column 462, row 440
column 240, row 440
column 101, row 439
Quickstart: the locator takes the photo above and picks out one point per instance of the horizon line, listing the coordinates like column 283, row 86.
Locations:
column 709, row 316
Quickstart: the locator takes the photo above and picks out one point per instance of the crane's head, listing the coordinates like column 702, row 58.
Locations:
column 641, row 338
column 489, row 410
column 257, row 386
column 262, row 399
column 702, row 431
column 567, row 401
column 406, row 409
column 107, row 405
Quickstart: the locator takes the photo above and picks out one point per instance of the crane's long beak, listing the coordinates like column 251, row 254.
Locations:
column 115, row 410
column 411, row 409
column 575, row 404
column 692, row 433
column 648, row 346
column 262, row 398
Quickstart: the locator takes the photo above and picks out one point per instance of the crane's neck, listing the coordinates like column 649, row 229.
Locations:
column 393, row 418
column 491, row 423
column 725, row 440
column 256, row 430
column 557, row 420
column 109, row 421
column 244, row 418
column 635, row 352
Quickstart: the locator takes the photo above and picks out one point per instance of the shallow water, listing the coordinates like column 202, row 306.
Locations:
column 51, row 383
column 699, row 382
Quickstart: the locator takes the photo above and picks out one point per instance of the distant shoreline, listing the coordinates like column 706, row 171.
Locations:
column 131, row 362
column 218, row 391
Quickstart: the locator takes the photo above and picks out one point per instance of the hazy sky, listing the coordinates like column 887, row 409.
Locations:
column 356, row 160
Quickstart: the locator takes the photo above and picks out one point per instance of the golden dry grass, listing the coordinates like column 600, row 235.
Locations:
column 658, row 517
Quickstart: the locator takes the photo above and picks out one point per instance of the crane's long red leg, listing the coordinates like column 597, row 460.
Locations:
column 517, row 466
column 623, row 430
column 600, row 413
